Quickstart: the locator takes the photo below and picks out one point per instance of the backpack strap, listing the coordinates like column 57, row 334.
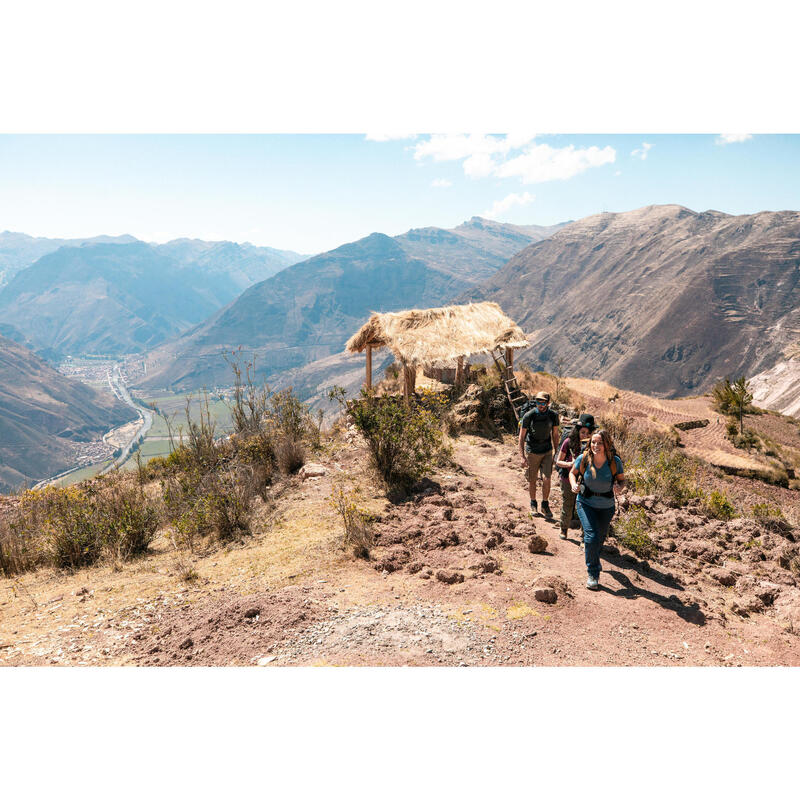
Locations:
column 612, row 465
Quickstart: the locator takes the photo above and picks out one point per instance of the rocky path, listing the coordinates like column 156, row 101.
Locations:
column 459, row 576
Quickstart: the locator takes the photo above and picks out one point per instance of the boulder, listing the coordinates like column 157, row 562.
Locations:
column 537, row 544
column 545, row 594
column 311, row 471
column 449, row 576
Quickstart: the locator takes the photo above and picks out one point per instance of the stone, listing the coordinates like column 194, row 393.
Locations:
column 723, row 576
column 186, row 643
column 312, row 471
column 545, row 594
column 262, row 662
column 251, row 613
column 449, row 576
column 537, row 544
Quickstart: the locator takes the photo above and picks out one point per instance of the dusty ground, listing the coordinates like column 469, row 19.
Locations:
column 289, row 595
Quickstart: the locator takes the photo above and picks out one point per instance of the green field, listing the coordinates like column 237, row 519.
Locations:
column 173, row 406
column 82, row 474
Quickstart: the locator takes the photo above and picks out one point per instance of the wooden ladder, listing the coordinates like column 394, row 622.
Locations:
column 516, row 397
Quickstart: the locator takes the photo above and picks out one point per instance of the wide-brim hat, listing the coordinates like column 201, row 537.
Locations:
column 587, row 421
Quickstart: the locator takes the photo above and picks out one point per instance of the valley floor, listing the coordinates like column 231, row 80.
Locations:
column 289, row 595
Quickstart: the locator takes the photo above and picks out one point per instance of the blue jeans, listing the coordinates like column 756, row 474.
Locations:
column 595, row 522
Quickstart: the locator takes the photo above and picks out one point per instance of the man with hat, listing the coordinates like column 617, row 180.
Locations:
column 538, row 438
column 572, row 446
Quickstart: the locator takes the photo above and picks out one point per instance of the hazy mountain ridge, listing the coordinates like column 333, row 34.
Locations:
column 307, row 311
column 42, row 412
column 661, row 299
column 18, row 250
column 123, row 298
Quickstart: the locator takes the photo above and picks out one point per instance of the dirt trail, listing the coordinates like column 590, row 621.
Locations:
column 452, row 582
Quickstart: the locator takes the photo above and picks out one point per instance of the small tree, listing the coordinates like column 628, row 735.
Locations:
column 733, row 398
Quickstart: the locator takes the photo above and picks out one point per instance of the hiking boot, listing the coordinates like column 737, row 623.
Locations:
column 548, row 514
column 563, row 533
column 534, row 509
column 592, row 583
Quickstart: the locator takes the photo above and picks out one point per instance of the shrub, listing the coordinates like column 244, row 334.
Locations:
column 220, row 501
column 229, row 500
column 632, row 531
column 655, row 466
column 74, row 526
column 358, row 535
column 731, row 428
column 766, row 511
column 719, row 506
column 290, row 454
column 405, row 438
column 746, row 440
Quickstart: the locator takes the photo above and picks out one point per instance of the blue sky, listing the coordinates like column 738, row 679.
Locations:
column 313, row 192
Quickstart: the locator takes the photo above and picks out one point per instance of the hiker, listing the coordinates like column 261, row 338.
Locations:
column 538, row 438
column 597, row 475
column 571, row 448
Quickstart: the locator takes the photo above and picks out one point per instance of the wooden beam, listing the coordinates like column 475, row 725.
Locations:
column 369, row 366
column 460, row 371
column 510, row 357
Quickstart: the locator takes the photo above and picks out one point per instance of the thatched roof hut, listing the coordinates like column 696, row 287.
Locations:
column 440, row 337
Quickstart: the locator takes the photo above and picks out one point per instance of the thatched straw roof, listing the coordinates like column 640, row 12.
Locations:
column 438, row 336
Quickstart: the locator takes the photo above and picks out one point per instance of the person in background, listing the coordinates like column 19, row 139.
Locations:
column 570, row 449
column 538, row 438
column 597, row 476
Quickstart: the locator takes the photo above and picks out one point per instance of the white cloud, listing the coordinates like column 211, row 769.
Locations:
column 513, row 199
column 732, row 138
column 540, row 162
column 514, row 155
column 642, row 151
column 441, row 183
column 455, row 147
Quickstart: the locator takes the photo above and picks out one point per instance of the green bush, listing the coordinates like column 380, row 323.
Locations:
column 200, row 503
column 655, row 466
column 766, row 511
column 719, row 506
column 632, row 530
column 405, row 439
column 731, row 428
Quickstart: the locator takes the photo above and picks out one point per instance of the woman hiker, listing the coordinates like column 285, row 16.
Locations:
column 596, row 479
column 571, row 448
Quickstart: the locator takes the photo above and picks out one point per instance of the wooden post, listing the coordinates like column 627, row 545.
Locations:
column 460, row 371
column 510, row 362
column 409, row 381
column 369, row 366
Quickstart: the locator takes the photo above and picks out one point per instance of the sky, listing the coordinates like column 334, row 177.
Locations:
column 313, row 192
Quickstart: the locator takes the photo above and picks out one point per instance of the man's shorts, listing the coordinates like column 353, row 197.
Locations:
column 543, row 462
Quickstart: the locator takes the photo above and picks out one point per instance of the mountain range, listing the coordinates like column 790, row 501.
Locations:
column 42, row 415
column 663, row 300
column 113, row 298
column 307, row 311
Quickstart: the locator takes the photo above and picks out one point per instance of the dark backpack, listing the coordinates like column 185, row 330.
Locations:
column 567, row 430
column 540, row 427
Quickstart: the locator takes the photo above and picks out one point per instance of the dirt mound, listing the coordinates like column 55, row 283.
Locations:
column 754, row 561
column 226, row 630
column 446, row 530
